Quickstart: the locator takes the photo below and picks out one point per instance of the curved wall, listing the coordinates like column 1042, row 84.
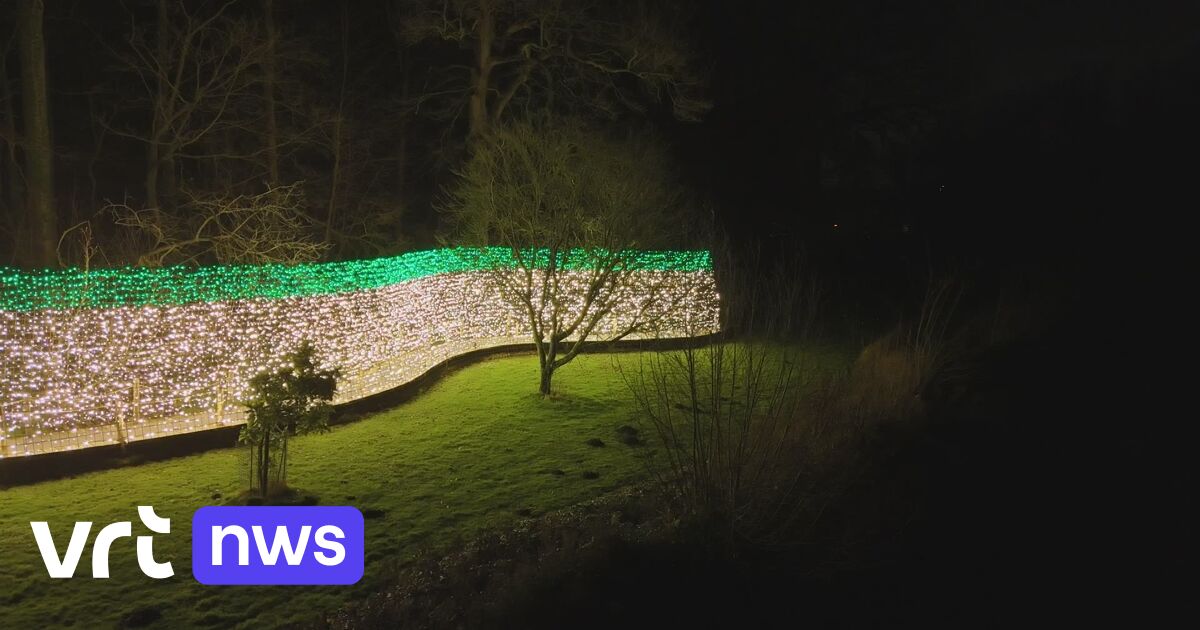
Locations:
column 132, row 354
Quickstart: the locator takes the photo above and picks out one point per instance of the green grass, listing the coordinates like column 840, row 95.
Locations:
column 468, row 454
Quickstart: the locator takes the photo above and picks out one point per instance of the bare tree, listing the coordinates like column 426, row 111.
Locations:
column 268, row 227
column 78, row 242
column 570, row 204
column 194, row 68
column 601, row 55
column 353, row 165
column 38, row 150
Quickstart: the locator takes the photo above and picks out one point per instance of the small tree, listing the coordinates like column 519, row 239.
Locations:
column 571, row 204
column 290, row 401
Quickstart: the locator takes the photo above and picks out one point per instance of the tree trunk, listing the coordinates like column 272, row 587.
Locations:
column 167, row 183
column 272, row 131
column 157, row 119
column 266, row 470
column 401, row 167
column 253, row 458
column 94, row 158
column 336, row 174
column 12, row 168
column 547, row 375
column 481, row 74
column 39, row 158
column 264, row 465
column 160, row 156
column 547, row 353
column 281, row 470
column 152, row 166
column 334, row 177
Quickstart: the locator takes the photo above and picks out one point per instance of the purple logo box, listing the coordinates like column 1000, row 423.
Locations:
column 277, row 545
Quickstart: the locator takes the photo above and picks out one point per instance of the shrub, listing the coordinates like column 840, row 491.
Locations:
column 756, row 437
column 290, row 401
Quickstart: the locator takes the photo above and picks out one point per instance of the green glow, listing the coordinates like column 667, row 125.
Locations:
column 22, row 290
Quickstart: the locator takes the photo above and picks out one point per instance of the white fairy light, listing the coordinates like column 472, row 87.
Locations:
column 77, row 377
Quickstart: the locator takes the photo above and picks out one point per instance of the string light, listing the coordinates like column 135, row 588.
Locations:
column 107, row 356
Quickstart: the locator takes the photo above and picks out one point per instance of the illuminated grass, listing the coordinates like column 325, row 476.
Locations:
column 471, row 452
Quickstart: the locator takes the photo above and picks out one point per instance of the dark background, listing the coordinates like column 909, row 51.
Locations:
column 1044, row 146
column 1000, row 133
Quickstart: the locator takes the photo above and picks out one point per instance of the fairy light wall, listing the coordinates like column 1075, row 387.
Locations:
column 118, row 355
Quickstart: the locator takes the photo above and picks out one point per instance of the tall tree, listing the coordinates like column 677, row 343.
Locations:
column 11, row 178
column 270, row 72
column 337, row 140
column 591, row 57
column 39, row 152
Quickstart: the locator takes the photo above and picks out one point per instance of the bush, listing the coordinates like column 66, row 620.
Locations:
column 291, row 401
column 757, row 437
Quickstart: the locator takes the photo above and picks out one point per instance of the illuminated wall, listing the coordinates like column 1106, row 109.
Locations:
column 119, row 355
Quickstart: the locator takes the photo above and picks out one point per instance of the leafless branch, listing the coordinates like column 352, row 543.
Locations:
column 263, row 228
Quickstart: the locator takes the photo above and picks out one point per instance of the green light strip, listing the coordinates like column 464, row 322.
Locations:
column 22, row 290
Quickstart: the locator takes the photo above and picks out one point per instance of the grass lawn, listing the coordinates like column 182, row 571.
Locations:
column 471, row 452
